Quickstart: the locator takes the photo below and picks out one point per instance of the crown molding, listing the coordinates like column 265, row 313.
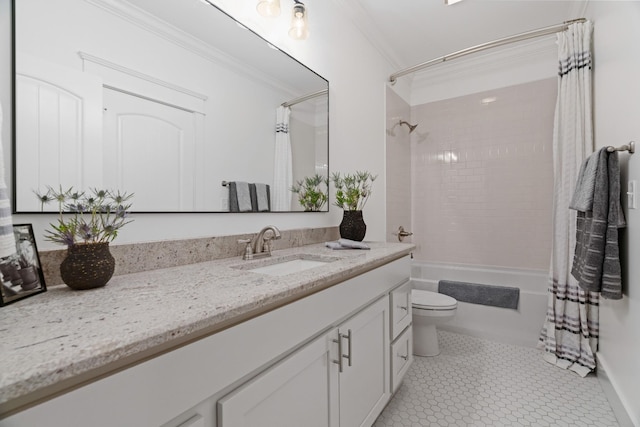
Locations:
column 578, row 9
column 488, row 62
column 362, row 21
column 180, row 38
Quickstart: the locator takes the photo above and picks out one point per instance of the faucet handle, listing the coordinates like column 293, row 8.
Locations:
column 248, row 252
column 266, row 244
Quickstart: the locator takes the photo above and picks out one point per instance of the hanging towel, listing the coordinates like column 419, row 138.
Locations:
column 582, row 199
column 260, row 197
column 239, row 197
column 283, row 163
column 596, row 260
column 7, row 239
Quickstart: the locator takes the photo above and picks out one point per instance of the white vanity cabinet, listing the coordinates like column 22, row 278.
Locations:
column 280, row 368
column 339, row 379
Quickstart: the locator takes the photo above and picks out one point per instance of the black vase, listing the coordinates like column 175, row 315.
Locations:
column 87, row 266
column 352, row 226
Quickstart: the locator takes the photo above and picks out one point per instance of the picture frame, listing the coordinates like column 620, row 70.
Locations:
column 21, row 273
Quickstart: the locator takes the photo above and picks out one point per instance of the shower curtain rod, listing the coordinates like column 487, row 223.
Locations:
column 500, row 42
column 305, row 97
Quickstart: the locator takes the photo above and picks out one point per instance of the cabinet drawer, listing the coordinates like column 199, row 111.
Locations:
column 401, row 357
column 400, row 309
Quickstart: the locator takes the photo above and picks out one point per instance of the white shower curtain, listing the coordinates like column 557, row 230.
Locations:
column 570, row 333
column 7, row 240
column 283, row 164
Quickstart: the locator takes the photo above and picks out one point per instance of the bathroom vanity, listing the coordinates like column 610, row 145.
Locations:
column 322, row 340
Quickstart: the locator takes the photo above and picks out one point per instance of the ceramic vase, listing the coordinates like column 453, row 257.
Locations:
column 352, row 226
column 87, row 266
column 29, row 276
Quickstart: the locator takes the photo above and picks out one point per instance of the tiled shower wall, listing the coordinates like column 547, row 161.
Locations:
column 398, row 157
column 482, row 177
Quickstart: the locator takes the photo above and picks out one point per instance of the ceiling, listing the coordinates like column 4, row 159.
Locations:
column 408, row 32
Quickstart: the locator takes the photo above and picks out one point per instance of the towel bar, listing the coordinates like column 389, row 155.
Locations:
column 630, row 147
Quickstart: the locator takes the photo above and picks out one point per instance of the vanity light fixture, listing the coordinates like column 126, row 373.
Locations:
column 269, row 8
column 299, row 26
column 450, row 2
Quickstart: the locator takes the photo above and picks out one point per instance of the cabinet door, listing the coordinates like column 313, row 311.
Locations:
column 299, row 391
column 364, row 383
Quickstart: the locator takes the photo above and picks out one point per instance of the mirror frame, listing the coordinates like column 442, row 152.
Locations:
column 14, row 132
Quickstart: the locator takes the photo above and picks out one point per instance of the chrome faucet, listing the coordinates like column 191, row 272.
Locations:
column 260, row 245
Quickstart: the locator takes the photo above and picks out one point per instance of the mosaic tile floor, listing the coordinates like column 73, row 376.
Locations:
column 476, row 382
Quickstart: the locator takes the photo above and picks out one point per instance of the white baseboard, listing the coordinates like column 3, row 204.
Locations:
column 609, row 389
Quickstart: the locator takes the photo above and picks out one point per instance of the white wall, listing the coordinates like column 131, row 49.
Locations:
column 356, row 74
column 617, row 113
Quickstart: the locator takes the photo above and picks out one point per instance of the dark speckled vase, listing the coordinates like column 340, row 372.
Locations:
column 87, row 266
column 352, row 226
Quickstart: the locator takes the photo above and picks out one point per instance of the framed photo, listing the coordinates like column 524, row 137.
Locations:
column 21, row 272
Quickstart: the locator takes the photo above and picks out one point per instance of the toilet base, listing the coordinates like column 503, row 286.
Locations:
column 425, row 340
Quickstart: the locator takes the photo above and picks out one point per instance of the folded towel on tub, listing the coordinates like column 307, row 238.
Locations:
column 476, row 293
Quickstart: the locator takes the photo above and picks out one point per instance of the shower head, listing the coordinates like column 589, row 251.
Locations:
column 410, row 126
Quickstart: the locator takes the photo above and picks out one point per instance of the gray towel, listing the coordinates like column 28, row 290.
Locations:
column 475, row 293
column 261, row 198
column 346, row 244
column 582, row 199
column 239, row 197
column 353, row 244
column 596, row 260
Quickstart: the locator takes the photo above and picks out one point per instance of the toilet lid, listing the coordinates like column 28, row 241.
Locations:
column 432, row 300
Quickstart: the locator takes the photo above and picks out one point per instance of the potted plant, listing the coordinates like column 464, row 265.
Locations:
column 87, row 223
column 352, row 193
column 312, row 192
column 28, row 273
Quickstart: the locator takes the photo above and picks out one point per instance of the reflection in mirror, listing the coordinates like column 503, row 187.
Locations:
column 164, row 99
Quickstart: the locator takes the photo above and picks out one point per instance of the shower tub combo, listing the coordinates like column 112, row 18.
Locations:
column 519, row 326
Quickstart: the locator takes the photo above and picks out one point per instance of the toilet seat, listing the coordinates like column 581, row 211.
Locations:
column 427, row 300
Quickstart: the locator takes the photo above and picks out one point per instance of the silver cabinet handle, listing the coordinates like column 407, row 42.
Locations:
column 401, row 307
column 348, row 337
column 340, row 356
column 403, row 357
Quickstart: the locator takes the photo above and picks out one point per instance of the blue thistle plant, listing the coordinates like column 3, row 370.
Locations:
column 93, row 216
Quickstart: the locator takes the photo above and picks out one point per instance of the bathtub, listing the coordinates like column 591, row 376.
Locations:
column 520, row 327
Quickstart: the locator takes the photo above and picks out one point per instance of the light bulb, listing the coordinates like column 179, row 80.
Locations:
column 269, row 8
column 299, row 27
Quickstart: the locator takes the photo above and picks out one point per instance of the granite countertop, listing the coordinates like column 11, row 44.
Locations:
column 64, row 334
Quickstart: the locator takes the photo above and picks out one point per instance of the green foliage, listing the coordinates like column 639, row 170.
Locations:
column 93, row 217
column 352, row 190
column 312, row 192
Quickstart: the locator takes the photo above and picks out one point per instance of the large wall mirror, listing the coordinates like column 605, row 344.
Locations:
column 170, row 100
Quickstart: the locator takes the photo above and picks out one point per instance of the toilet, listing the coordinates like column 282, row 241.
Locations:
column 429, row 310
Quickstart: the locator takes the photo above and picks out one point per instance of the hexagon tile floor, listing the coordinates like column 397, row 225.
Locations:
column 476, row 382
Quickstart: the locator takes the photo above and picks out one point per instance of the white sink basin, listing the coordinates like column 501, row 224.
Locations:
column 285, row 265
column 288, row 267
